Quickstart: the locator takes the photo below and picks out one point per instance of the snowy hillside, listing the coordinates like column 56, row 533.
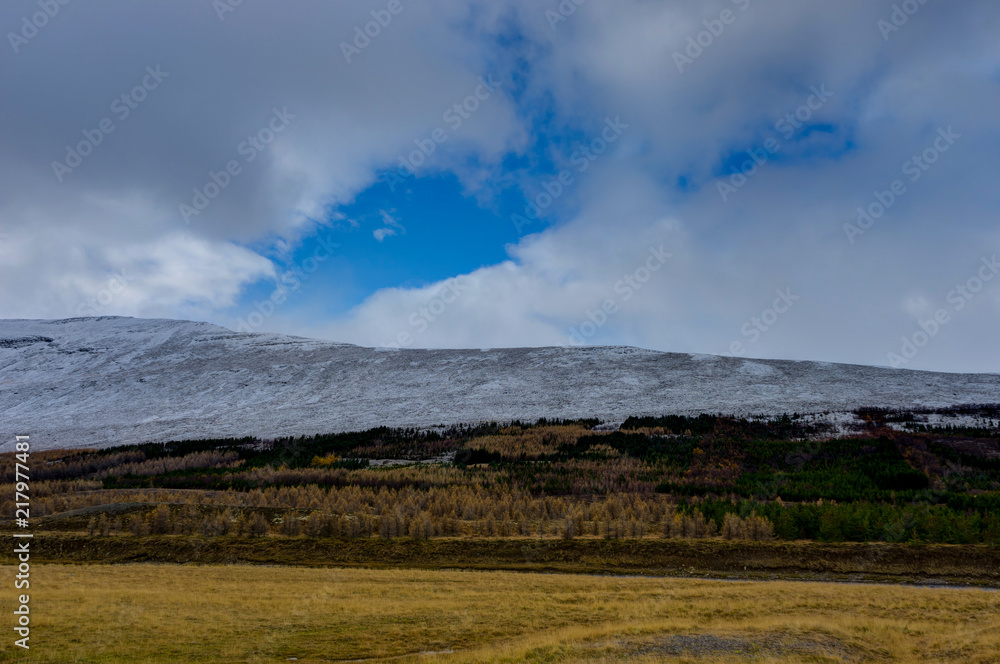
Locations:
column 105, row 381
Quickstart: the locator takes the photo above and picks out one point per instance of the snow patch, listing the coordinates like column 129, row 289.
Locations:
column 756, row 369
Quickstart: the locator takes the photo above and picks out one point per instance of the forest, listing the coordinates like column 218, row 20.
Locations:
column 895, row 477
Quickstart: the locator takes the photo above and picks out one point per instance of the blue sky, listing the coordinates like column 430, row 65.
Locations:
column 747, row 165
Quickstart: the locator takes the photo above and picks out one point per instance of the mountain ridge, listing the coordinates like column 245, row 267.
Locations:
column 105, row 381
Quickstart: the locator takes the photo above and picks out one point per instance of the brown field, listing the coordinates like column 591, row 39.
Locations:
column 932, row 564
column 169, row 613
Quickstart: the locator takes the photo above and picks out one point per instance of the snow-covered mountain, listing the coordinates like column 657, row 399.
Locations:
column 106, row 381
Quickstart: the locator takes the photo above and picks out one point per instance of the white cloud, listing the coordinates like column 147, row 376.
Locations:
column 392, row 226
column 382, row 233
column 60, row 243
column 350, row 121
column 174, row 276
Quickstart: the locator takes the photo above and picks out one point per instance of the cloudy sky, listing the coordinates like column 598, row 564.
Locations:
column 801, row 180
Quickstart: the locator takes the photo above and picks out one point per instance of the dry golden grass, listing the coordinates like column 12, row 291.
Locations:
column 152, row 613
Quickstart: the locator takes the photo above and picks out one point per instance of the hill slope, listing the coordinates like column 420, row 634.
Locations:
column 106, row 381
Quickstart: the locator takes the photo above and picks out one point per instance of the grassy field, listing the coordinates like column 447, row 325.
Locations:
column 167, row 613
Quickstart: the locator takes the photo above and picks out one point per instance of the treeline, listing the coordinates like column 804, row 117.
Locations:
column 425, row 524
column 869, row 522
column 385, row 442
column 578, row 462
column 299, row 451
column 496, row 512
column 163, row 465
column 673, row 476
column 518, row 442
column 341, row 474
column 65, row 464
column 785, row 427
column 841, row 470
